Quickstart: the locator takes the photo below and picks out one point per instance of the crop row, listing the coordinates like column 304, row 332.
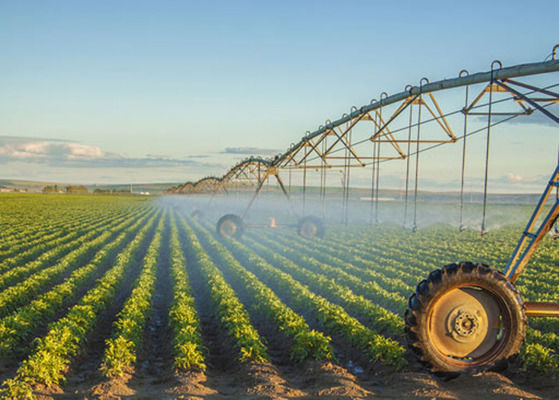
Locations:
column 128, row 329
column 32, row 217
column 53, row 353
column 183, row 318
column 56, row 254
column 21, row 247
column 50, row 249
column 364, row 285
column 541, row 349
column 25, row 291
column 333, row 287
column 493, row 250
column 232, row 315
column 539, row 282
column 344, row 257
column 305, row 342
column 333, row 318
column 16, row 328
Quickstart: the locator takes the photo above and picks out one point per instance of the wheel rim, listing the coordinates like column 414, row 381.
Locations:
column 228, row 228
column 468, row 326
column 309, row 229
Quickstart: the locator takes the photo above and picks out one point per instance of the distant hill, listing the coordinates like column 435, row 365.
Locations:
column 37, row 186
column 18, row 184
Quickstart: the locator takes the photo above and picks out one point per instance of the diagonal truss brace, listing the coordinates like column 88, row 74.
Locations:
column 534, row 102
column 383, row 134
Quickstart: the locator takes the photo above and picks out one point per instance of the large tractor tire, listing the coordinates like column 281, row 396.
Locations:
column 230, row 225
column 310, row 227
column 465, row 318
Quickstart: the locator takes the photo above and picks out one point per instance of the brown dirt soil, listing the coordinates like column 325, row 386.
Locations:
column 311, row 380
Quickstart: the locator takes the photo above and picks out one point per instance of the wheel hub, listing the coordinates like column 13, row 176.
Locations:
column 309, row 229
column 465, row 323
column 228, row 228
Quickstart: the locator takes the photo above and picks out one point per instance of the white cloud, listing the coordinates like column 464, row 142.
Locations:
column 49, row 150
column 514, row 177
column 83, row 151
column 250, row 150
column 77, row 155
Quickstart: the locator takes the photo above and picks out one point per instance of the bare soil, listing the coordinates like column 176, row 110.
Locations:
column 311, row 380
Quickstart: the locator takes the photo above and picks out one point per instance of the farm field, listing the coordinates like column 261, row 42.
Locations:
column 105, row 297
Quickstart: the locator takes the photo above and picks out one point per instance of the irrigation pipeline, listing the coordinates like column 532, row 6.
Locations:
column 481, row 77
column 313, row 146
column 465, row 135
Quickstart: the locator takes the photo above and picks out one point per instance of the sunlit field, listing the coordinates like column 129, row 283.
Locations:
column 106, row 296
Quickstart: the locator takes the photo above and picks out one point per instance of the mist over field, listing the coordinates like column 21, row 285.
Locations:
column 359, row 209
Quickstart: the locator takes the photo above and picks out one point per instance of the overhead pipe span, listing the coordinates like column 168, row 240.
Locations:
column 480, row 77
column 465, row 80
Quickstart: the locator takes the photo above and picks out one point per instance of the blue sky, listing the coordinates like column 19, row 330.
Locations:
column 174, row 90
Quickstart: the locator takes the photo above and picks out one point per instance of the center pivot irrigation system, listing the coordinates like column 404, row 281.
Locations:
column 464, row 316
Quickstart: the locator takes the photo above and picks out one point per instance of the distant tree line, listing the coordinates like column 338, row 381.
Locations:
column 65, row 189
column 81, row 189
column 111, row 191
